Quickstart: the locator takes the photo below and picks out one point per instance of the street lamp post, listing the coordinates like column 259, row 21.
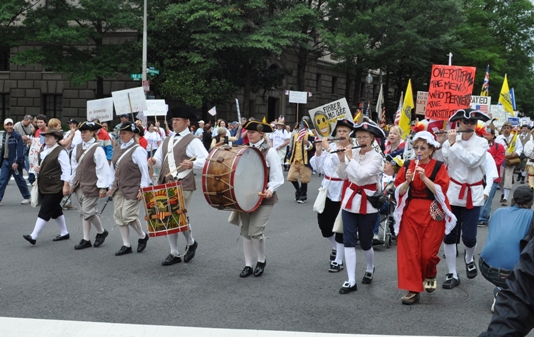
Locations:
column 369, row 80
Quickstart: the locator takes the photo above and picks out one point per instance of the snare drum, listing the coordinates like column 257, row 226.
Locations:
column 232, row 178
column 165, row 209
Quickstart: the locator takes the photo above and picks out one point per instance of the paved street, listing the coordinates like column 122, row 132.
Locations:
column 296, row 293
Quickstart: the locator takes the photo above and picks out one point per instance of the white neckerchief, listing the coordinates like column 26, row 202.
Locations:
column 258, row 144
column 85, row 145
column 125, row 145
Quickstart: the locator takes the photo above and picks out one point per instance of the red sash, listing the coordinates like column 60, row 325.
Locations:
column 357, row 189
column 466, row 186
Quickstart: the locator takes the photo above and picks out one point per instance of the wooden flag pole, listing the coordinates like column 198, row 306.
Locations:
column 131, row 108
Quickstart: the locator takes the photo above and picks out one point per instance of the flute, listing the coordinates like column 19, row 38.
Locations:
column 459, row 131
column 354, row 147
column 330, row 140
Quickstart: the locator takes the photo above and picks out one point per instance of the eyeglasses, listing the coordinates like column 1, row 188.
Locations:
column 422, row 148
column 469, row 121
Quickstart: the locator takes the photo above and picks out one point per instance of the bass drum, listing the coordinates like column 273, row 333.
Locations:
column 232, row 178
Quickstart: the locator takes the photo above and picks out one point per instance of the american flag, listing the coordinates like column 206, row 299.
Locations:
column 383, row 119
column 485, row 84
column 399, row 110
column 483, row 108
column 302, row 133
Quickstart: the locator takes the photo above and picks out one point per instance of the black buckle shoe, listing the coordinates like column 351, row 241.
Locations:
column 123, row 251
column 61, row 237
column 29, row 239
column 246, row 272
column 368, row 277
column 83, row 244
column 191, row 252
column 260, row 268
column 450, row 282
column 347, row 288
column 171, row 259
column 142, row 243
column 100, row 238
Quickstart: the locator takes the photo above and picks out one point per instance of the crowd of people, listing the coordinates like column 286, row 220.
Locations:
column 443, row 188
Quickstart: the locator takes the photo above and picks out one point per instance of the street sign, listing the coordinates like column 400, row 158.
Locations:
column 153, row 71
column 136, row 77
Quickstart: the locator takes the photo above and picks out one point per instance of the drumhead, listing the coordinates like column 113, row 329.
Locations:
column 249, row 179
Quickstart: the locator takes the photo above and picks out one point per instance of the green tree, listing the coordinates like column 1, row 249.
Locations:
column 11, row 15
column 76, row 39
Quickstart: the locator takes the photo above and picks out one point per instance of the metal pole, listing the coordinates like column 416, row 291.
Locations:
column 144, row 67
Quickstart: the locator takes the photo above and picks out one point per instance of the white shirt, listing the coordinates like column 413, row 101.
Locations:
column 102, row 166
column 152, row 138
column 466, row 162
column 276, row 175
column 139, row 159
column 529, row 151
column 77, row 139
column 491, row 174
column 361, row 170
column 327, row 164
column 195, row 148
column 279, row 137
column 63, row 159
column 518, row 145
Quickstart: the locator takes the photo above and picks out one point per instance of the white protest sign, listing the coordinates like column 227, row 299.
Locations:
column 33, row 155
column 497, row 111
column 300, row 97
column 325, row 117
column 482, row 103
column 156, row 107
column 123, row 98
column 101, row 109
column 420, row 103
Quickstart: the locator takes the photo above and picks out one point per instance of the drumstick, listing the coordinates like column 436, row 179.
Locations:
column 176, row 169
column 260, row 194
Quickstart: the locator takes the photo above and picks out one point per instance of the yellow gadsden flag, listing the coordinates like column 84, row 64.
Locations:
column 406, row 112
column 505, row 98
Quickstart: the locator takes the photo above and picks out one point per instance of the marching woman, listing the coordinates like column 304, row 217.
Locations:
column 422, row 218
column 89, row 181
column 359, row 168
column 326, row 163
column 253, row 224
column 128, row 174
column 53, row 182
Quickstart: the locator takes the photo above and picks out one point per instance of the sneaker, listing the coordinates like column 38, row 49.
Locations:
column 302, row 199
column 335, row 267
column 482, row 224
column 450, row 282
column 297, row 196
column 495, row 293
column 25, row 202
column 376, row 238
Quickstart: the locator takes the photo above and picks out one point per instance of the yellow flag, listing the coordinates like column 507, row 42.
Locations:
column 406, row 112
column 505, row 99
column 264, row 120
column 511, row 148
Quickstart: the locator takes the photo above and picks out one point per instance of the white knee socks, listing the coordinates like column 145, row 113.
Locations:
column 259, row 244
column 125, row 233
column 248, row 251
column 469, row 253
column 370, row 259
column 450, row 257
column 350, row 259
column 137, row 227
column 60, row 220
column 39, row 225
column 95, row 220
column 189, row 237
column 86, row 226
column 332, row 241
column 340, row 253
column 506, row 193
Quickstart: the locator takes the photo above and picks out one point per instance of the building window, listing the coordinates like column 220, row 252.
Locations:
column 334, row 84
column 318, row 82
column 4, row 105
column 4, row 59
column 53, row 105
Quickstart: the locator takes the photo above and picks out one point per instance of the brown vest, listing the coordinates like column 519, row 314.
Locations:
column 188, row 183
column 127, row 174
column 86, row 171
column 50, row 173
column 274, row 199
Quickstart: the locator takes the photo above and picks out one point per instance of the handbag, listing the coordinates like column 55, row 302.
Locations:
column 35, row 198
column 318, row 205
column 513, row 161
column 377, row 200
column 338, row 223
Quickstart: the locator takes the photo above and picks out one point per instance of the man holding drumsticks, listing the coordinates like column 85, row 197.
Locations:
column 174, row 157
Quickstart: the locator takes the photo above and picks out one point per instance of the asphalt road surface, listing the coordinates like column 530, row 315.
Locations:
column 296, row 293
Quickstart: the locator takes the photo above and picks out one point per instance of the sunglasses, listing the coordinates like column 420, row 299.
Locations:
column 469, row 121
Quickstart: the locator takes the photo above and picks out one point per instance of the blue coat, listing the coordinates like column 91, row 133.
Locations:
column 16, row 149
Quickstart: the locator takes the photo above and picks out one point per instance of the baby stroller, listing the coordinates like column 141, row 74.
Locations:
column 386, row 215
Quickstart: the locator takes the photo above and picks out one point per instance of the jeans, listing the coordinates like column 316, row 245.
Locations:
column 486, row 209
column 31, row 176
column 497, row 276
column 5, row 175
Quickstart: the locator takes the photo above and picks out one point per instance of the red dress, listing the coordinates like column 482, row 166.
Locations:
column 420, row 236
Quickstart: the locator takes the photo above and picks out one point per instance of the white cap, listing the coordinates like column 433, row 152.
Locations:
column 8, row 120
column 201, row 121
column 427, row 136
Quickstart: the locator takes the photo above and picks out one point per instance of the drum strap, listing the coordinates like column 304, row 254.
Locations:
column 172, row 164
column 122, row 156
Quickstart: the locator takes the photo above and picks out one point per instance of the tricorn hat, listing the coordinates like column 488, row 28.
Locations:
column 92, row 126
column 182, row 112
column 129, row 126
column 371, row 127
column 343, row 122
column 54, row 132
column 258, row 126
column 469, row 114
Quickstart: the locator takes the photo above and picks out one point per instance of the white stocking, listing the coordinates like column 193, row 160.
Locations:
column 86, row 226
column 259, row 244
column 350, row 259
column 137, row 227
column 332, row 241
column 450, row 257
column 39, row 225
column 340, row 252
column 469, row 253
column 125, row 233
column 370, row 259
column 173, row 242
column 95, row 220
column 506, row 193
column 189, row 237
column 248, row 251
column 60, row 220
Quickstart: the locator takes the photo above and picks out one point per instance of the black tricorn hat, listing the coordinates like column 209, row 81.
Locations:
column 182, row 112
column 258, row 126
column 343, row 122
column 92, row 126
column 371, row 127
column 469, row 114
column 129, row 126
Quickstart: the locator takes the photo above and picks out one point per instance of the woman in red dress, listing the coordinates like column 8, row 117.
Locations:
column 422, row 218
